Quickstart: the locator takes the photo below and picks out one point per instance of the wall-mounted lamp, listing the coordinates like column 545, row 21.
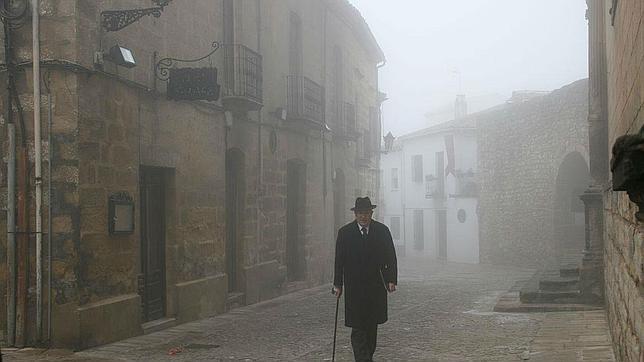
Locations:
column 280, row 113
column 121, row 56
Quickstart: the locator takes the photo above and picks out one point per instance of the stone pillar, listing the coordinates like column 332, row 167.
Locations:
column 591, row 273
column 597, row 93
column 592, row 269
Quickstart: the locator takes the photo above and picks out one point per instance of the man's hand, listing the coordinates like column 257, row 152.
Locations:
column 337, row 291
column 391, row 287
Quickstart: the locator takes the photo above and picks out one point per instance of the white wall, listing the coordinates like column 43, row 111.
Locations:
column 462, row 237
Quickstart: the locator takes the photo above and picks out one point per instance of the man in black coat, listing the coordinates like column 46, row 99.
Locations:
column 365, row 265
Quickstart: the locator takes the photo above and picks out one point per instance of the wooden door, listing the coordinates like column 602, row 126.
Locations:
column 295, row 211
column 153, row 242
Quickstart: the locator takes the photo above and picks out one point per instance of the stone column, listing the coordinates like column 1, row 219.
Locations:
column 591, row 273
column 592, row 269
column 598, row 93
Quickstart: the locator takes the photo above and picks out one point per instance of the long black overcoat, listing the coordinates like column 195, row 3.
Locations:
column 363, row 267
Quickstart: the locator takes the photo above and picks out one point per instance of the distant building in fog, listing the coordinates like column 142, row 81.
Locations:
column 430, row 191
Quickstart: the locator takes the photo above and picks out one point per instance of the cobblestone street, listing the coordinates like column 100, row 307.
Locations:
column 442, row 312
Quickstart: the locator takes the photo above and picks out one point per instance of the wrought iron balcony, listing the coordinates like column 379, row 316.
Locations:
column 243, row 77
column 305, row 99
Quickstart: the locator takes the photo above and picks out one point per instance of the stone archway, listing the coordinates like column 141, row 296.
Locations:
column 573, row 178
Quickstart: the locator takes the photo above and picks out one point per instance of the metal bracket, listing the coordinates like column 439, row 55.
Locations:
column 162, row 68
column 115, row 20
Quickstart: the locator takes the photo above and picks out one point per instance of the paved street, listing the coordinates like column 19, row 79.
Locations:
column 442, row 312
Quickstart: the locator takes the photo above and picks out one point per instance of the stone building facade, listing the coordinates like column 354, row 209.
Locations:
column 533, row 157
column 616, row 96
column 235, row 201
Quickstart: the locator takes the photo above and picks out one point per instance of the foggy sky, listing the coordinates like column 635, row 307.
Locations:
column 497, row 46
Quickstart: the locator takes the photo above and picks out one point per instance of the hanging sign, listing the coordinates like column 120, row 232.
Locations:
column 193, row 84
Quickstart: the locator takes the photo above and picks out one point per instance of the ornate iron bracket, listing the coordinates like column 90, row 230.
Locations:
column 627, row 167
column 115, row 20
column 162, row 68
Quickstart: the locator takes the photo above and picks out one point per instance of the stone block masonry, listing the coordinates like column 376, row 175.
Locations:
column 521, row 148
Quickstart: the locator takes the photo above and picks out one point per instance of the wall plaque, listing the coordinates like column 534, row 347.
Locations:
column 121, row 214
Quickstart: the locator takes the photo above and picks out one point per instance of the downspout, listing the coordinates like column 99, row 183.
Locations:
column 37, row 160
column 49, row 217
column 260, row 153
column 378, row 180
column 11, row 196
column 325, row 128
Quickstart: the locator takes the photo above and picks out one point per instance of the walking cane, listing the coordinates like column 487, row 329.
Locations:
column 335, row 329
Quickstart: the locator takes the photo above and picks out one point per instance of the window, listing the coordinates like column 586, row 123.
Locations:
column 440, row 174
column 430, row 185
column 419, row 237
column 394, row 179
column 417, row 168
column 395, row 227
column 295, row 45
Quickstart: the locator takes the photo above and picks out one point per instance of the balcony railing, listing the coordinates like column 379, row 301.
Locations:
column 305, row 99
column 243, row 75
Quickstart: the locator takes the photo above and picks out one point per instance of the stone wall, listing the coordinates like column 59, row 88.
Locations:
column 110, row 122
column 521, row 147
column 623, row 234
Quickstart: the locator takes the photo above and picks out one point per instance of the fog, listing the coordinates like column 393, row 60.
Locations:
column 497, row 46
column 207, row 180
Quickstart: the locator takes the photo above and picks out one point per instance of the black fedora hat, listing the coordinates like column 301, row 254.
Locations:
column 363, row 203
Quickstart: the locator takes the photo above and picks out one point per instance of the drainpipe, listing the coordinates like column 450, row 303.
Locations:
column 378, row 181
column 11, row 197
column 260, row 153
column 37, row 160
column 49, row 213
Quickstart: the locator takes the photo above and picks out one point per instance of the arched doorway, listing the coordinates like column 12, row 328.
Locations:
column 569, row 215
column 339, row 199
column 295, row 220
column 235, row 196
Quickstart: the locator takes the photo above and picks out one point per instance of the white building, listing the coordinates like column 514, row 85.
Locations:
column 429, row 191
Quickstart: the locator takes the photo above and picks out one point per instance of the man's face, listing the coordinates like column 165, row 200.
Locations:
column 363, row 217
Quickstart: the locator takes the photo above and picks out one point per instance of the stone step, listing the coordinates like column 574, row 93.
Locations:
column 235, row 300
column 510, row 303
column 158, row 325
column 569, row 271
column 559, row 284
column 551, row 297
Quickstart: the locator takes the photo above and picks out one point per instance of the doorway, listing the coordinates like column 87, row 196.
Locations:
column 569, row 213
column 295, row 219
column 153, row 230
column 339, row 197
column 441, row 231
column 235, row 196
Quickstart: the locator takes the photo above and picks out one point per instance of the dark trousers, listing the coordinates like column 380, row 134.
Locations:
column 363, row 342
